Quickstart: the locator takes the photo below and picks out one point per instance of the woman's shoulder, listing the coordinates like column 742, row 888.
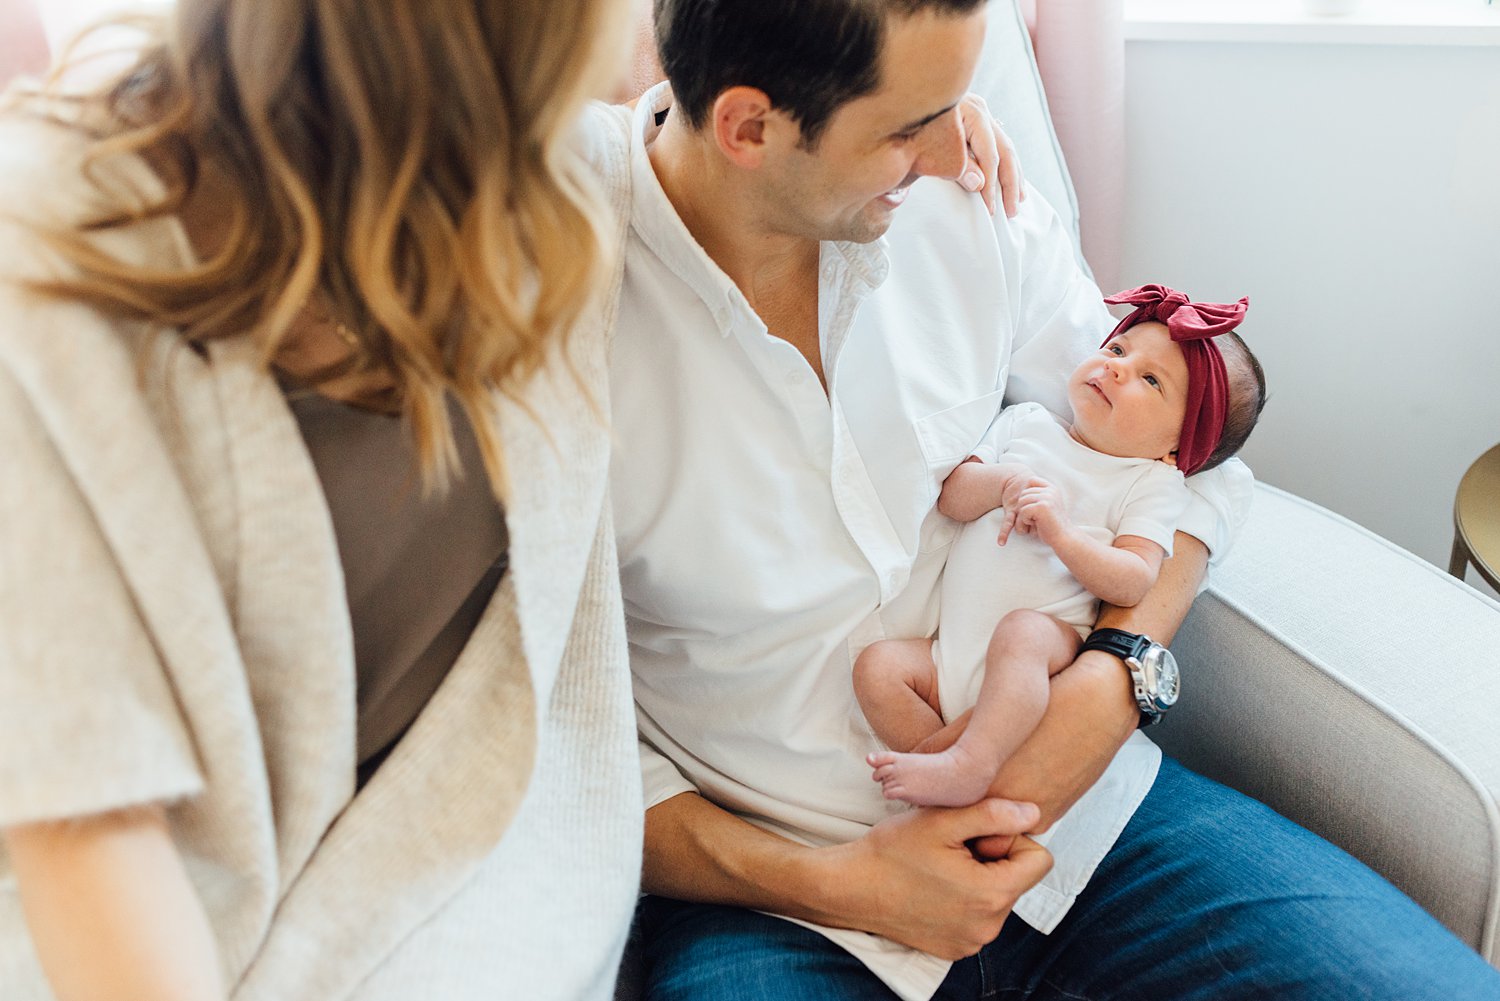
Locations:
column 52, row 184
column 47, row 173
column 56, row 178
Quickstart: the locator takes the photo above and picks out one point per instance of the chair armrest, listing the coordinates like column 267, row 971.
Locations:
column 1356, row 690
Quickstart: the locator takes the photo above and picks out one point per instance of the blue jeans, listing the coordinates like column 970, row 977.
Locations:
column 1207, row 896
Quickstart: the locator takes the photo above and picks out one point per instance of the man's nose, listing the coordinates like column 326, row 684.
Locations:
column 942, row 150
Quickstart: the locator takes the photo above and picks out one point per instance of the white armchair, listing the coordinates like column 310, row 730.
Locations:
column 1355, row 689
column 1340, row 680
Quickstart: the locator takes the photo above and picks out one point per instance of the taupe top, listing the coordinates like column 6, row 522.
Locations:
column 418, row 570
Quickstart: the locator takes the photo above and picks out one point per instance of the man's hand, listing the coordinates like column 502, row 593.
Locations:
column 993, row 161
column 923, row 887
column 911, row 878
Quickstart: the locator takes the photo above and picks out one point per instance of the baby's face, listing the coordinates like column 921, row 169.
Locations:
column 1130, row 396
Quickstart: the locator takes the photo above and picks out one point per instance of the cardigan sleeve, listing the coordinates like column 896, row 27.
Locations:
column 88, row 720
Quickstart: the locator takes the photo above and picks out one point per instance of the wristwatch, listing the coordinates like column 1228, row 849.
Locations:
column 1153, row 669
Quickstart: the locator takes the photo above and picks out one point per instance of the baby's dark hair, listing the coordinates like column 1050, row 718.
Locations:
column 1247, row 397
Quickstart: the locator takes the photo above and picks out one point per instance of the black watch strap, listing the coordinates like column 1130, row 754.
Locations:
column 1126, row 646
column 1118, row 642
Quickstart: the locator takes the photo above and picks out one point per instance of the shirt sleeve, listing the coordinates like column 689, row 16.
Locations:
column 1154, row 507
column 1218, row 507
column 1058, row 313
column 660, row 777
column 88, row 719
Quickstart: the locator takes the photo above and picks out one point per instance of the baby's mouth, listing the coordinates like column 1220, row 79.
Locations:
column 1094, row 385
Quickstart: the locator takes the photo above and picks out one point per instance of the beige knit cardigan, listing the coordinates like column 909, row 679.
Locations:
column 173, row 628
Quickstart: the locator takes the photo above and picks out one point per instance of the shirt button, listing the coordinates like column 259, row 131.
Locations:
column 798, row 378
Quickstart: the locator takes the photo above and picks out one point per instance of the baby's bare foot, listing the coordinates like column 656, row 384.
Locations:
column 954, row 777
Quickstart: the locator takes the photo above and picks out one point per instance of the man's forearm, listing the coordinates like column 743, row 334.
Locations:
column 697, row 851
column 910, row 878
column 1160, row 613
column 1092, row 710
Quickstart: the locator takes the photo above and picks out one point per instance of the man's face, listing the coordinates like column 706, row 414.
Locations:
column 847, row 186
column 1129, row 398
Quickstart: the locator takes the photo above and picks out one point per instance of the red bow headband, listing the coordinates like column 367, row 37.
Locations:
column 1192, row 325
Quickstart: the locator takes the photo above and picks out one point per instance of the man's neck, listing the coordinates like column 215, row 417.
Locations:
column 723, row 214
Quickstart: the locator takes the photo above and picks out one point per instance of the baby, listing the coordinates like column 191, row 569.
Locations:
column 1082, row 512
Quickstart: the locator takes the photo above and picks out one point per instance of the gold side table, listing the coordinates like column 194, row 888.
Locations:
column 1476, row 520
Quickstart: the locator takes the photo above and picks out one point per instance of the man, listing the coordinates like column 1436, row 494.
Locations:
column 807, row 343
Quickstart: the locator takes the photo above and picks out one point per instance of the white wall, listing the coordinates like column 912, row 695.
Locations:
column 1354, row 193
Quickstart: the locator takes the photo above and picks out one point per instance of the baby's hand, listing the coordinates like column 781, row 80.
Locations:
column 1017, row 483
column 976, row 488
column 1040, row 508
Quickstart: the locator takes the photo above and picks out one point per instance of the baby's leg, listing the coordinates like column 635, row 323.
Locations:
column 1026, row 649
column 896, row 684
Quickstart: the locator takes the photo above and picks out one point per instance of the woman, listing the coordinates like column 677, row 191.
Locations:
column 312, row 670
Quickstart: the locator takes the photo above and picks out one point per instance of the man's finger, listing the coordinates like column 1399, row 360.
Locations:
column 1028, row 860
column 1009, row 173
column 990, row 817
column 981, row 173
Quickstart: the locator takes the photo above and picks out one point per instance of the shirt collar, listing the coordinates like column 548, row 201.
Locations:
column 657, row 223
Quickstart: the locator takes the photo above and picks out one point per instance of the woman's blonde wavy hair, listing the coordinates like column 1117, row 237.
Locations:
column 410, row 160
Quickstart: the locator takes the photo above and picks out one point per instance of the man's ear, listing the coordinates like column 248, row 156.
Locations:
column 742, row 122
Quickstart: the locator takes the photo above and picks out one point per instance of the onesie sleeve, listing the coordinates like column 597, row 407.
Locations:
column 1155, row 505
column 1003, row 430
column 88, row 719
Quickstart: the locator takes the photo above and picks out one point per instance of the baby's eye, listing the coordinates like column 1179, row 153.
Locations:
column 1113, row 349
column 1151, row 380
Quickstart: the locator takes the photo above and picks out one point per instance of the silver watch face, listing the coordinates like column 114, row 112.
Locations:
column 1161, row 680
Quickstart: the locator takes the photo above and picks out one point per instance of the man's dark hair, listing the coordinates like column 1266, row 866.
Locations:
column 809, row 56
column 1247, row 397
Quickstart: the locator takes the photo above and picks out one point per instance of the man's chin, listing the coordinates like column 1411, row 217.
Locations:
column 870, row 226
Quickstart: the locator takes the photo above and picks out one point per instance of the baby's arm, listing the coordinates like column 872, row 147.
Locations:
column 976, row 488
column 1119, row 574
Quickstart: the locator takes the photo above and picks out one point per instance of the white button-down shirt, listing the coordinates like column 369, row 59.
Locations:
column 769, row 532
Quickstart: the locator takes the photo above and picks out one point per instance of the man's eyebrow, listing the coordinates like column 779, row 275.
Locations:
column 914, row 126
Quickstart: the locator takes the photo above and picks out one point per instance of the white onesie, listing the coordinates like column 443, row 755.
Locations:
column 1106, row 495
